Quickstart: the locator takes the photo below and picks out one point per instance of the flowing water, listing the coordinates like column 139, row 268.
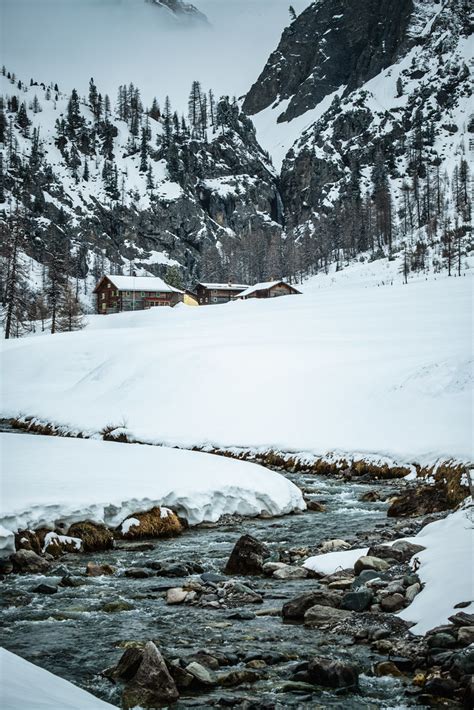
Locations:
column 69, row 634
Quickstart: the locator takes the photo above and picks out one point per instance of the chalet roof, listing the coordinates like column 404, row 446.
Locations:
column 224, row 287
column 140, row 283
column 262, row 287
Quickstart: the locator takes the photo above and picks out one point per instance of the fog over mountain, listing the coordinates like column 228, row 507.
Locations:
column 122, row 41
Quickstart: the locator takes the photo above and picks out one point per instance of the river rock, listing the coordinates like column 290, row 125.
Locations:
column 212, row 578
column 315, row 507
column 95, row 570
column 334, row 546
column 176, row 595
column 270, row 567
column 412, row 591
column 156, row 522
column 372, row 563
column 385, row 552
column 440, row 687
column 45, row 589
column 288, row 572
column 138, row 573
column 365, row 576
column 237, row 677
column 408, row 549
column 200, row 674
column 322, row 616
column 247, row 557
column 466, row 635
column 151, row 683
column 462, row 618
column 392, row 603
column 357, row 601
column 95, row 537
column 332, row 674
column 117, row 606
column 28, row 562
column 387, row 668
column 370, row 497
column 69, row 581
column 6, row 566
column 296, row 608
column 441, row 640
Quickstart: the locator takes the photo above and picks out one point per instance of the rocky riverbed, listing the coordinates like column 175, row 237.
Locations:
column 249, row 637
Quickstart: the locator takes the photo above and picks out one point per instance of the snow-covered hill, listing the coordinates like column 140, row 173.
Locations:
column 374, row 366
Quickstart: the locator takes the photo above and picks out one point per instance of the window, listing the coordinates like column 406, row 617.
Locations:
column 108, row 285
column 143, row 294
column 102, row 295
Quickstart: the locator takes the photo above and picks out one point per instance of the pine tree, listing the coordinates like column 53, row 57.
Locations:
column 74, row 119
column 149, row 179
column 399, row 87
column 167, row 123
column 15, row 286
column 58, row 245
column 292, row 12
column 70, row 312
column 144, row 152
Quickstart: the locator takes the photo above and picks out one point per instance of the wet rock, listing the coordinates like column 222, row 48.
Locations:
column 422, row 500
column 182, row 678
column 288, row 572
column 95, row 537
column 334, row 546
column 296, row 608
column 70, row 581
column 440, row 687
column 332, row 674
column 28, row 562
column 315, row 507
column 462, row 605
column 176, row 595
column 95, row 570
column 6, row 566
column 156, row 522
column 200, row 674
column 408, row 549
column 463, row 663
column 235, row 593
column 357, row 601
column 247, row 557
column 370, row 563
column 238, row 677
column 365, row 576
column 370, row 497
column 462, row 618
column 387, row 668
column 412, row 591
column 149, row 682
column 115, row 607
column 242, row 615
column 392, row 603
column 295, row 686
column 45, row 589
column 138, row 573
column 342, row 584
column 256, row 664
column 324, row 616
column 212, row 578
column 270, row 567
column 466, row 635
column 173, row 570
column 441, row 640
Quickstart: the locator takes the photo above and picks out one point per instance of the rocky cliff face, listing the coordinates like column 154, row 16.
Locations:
column 333, row 43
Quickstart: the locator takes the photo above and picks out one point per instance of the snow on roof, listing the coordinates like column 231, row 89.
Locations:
column 260, row 287
column 141, row 283
column 225, row 287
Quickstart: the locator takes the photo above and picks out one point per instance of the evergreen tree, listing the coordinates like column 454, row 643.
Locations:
column 144, row 152
column 70, row 312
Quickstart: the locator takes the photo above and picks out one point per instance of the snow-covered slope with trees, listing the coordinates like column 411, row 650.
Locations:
column 374, row 366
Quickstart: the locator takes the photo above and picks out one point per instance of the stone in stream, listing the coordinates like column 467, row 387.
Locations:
column 387, row 668
column 372, row 563
column 237, row 677
column 95, row 537
column 149, row 682
column 176, row 595
column 466, row 635
column 462, row 618
column 324, row 616
column 212, row 578
column 412, row 591
column 315, row 507
column 296, row 608
column 45, row 589
column 334, row 546
column 408, row 549
column 28, row 562
column 366, row 576
column 289, row 572
column 392, row 603
column 332, row 674
column 200, row 674
column 440, row 687
column 95, row 570
column 138, row 573
column 117, row 606
column 247, row 557
column 357, row 601
column 270, row 567
column 386, row 552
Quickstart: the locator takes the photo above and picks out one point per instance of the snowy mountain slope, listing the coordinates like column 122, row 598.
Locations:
column 363, row 122
column 382, row 369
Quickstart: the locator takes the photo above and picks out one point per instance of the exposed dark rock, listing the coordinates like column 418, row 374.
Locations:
column 370, row 563
column 357, row 601
column 28, row 562
column 296, row 608
column 441, row 687
column 247, row 557
column 324, row 616
column 238, row 677
column 117, row 606
column 149, row 682
column 95, row 570
column 332, row 674
column 393, row 603
column 95, row 537
column 138, row 573
column 45, row 589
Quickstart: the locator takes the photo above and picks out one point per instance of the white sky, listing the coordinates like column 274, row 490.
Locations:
column 119, row 41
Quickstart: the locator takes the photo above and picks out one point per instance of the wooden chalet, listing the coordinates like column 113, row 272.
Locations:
column 134, row 293
column 209, row 294
column 268, row 289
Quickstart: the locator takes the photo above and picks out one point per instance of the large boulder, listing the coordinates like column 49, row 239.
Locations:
column 324, row 616
column 247, row 557
column 95, row 537
column 332, row 674
column 28, row 562
column 296, row 608
column 148, row 681
column 95, row 570
column 359, row 600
